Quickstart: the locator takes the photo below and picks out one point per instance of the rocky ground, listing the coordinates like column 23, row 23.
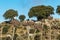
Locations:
column 45, row 29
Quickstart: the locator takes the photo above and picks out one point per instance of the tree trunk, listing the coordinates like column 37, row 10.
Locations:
column 39, row 18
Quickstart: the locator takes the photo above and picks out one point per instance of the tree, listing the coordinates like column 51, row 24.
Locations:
column 41, row 12
column 58, row 10
column 10, row 14
column 22, row 17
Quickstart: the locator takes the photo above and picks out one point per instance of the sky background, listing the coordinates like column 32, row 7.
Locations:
column 23, row 6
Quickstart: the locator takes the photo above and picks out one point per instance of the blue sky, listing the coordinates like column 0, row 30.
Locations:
column 23, row 6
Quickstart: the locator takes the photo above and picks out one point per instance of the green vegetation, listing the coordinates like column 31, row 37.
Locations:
column 22, row 17
column 37, row 31
column 10, row 14
column 41, row 12
column 37, row 37
column 45, row 27
column 5, row 29
column 58, row 10
column 22, row 30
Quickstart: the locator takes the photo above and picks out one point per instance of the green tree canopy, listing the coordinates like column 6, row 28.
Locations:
column 10, row 14
column 22, row 17
column 58, row 10
column 41, row 11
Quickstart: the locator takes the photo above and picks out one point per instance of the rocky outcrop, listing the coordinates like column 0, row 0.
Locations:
column 48, row 29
